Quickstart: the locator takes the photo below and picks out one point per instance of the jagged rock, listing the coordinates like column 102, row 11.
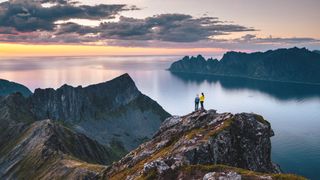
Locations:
column 274, row 65
column 158, row 165
column 114, row 111
column 198, row 142
column 222, row 176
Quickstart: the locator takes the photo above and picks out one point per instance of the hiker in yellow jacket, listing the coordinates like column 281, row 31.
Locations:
column 202, row 101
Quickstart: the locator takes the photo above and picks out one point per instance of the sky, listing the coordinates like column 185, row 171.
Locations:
column 150, row 27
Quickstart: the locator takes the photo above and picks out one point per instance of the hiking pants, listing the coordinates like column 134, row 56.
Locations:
column 196, row 106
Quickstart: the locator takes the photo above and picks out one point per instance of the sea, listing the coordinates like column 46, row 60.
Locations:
column 292, row 109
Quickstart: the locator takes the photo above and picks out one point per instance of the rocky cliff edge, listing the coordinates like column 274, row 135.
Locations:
column 204, row 145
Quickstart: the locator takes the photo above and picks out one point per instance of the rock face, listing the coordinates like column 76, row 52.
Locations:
column 45, row 149
column 198, row 142
column 14, row 116
column 114, row 112
column 188, row 147
column 84, row 104
column 288, row 65
column 7, row 87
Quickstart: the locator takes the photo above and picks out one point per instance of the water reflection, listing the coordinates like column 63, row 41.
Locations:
column 279, row 90
column 43, row 72
column 292, row 109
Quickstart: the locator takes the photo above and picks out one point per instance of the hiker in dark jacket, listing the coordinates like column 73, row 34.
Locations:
column 196, row 102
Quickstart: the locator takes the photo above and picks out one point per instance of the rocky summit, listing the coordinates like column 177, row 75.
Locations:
column 74, row 132
column 204, row 145
column 113, row 113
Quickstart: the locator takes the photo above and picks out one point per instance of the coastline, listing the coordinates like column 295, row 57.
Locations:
column 245, row 77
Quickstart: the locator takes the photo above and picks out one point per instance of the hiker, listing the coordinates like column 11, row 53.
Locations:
column 196, row 102
column 202, row 101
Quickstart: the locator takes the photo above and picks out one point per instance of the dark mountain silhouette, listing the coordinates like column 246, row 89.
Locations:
column 286, row 65
column 63, row 133
column 114, row 112
column 7, row 87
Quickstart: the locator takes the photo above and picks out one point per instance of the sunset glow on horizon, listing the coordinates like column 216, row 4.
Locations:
column 118, row 27
column 24, row 50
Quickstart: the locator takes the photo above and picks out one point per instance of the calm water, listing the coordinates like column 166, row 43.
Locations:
column 293, row 110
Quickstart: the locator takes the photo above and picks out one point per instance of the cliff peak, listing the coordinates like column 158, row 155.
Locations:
column 124, row 78
column 106, row 112
column 198, row 139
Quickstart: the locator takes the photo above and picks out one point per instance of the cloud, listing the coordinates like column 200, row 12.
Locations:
column 255, row 44
column 30, row 21
column 33, row 16
column 71, row 27
column 168, row 27
column 30, row 15
column 55, row 1
column 8, row 30
column 274, row 40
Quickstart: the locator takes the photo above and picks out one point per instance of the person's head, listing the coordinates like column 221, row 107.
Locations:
column 197, row 95
column 202, row 94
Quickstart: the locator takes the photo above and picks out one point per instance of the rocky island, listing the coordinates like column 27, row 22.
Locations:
column 298, row 65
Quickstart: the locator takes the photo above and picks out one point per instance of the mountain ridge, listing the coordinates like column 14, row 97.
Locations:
column 9, row 87
column 46, row 148
column 111, row 112
column 107, row 112
column 47, row 140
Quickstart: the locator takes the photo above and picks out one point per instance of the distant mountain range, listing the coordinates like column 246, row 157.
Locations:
column 288, row 65
column 7, row 87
